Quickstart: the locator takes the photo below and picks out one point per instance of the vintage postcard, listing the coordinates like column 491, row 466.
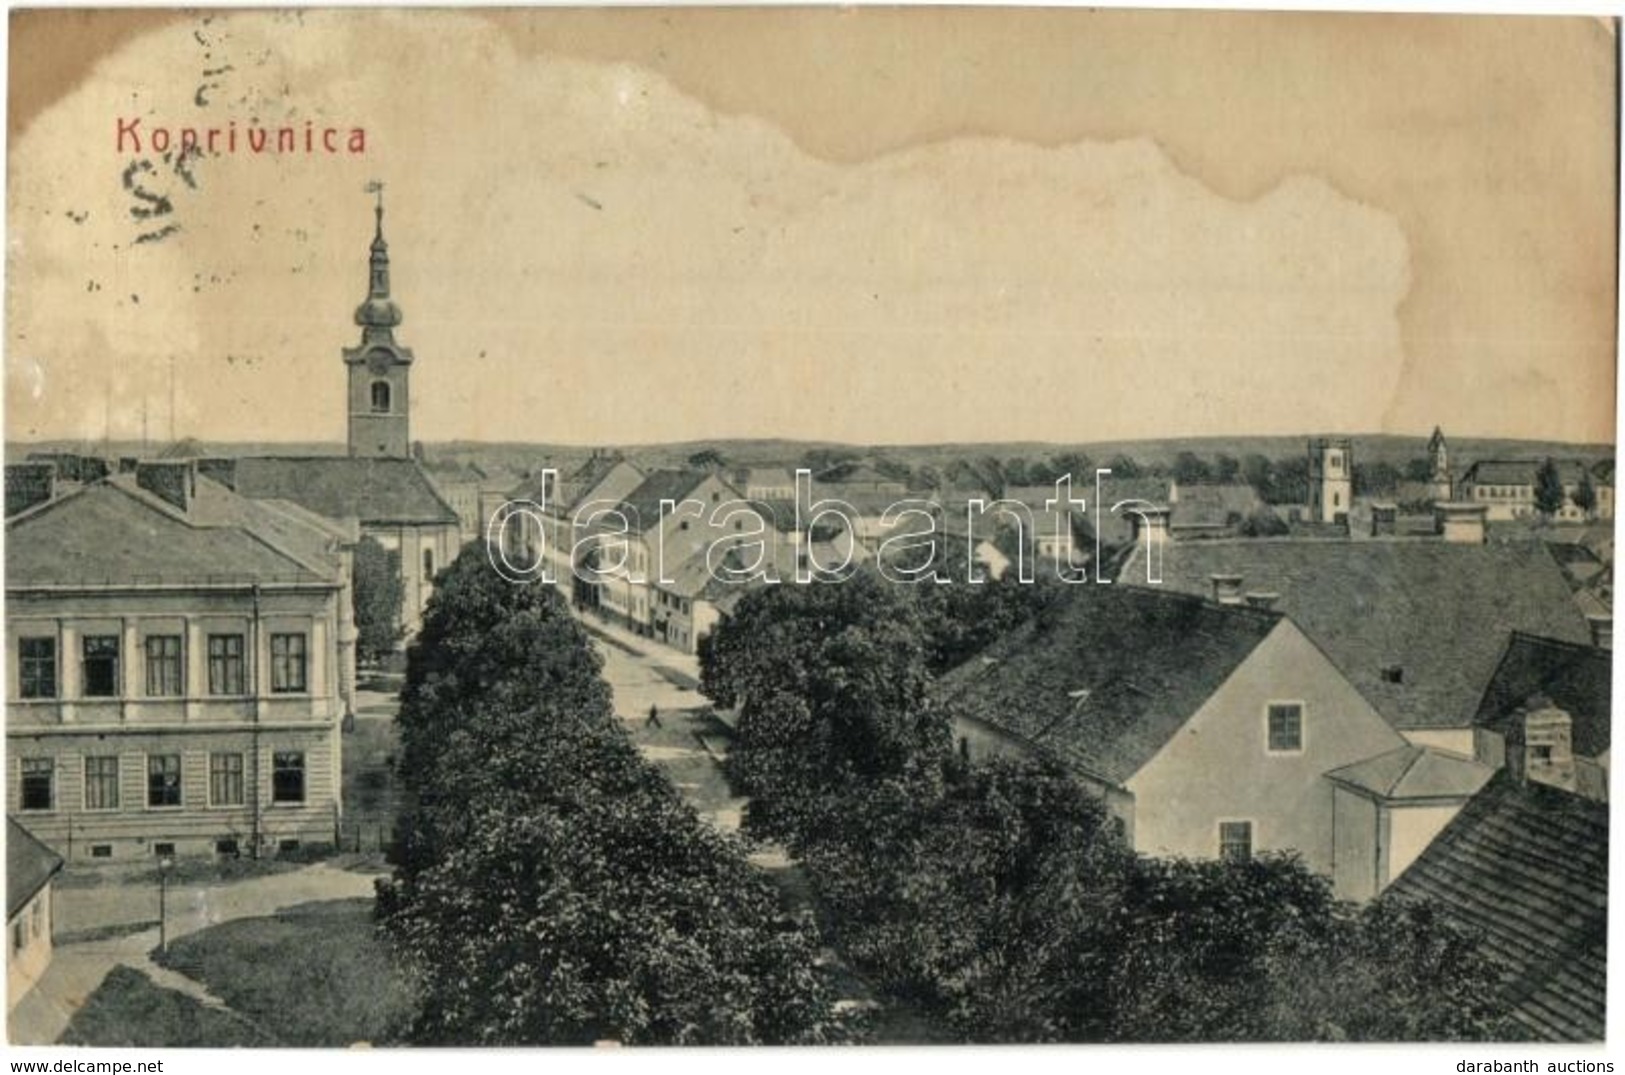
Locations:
column 746, row 526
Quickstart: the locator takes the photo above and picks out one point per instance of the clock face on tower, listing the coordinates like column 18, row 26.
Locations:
column 378, row 362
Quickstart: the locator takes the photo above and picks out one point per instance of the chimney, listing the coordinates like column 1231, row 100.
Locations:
column 175, row 483
column 28, row 484
column 1540, row 745
column 1262, row 599
column 1226, row 589
column 1602, row 630
column 1459, row 522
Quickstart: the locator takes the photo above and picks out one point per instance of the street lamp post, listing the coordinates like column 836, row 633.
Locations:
column 163, row 891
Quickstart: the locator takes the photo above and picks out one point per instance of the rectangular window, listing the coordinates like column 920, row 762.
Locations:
column 37, row 675
column 101, row 783
column 1286, row 728
column 287, row 664
column 428, row 563
column 226, row 664
column 165, row 672
column 101, row 851
column 1235, row 841
column 225, row 780
column 100, row 666
column 288, row 777
column 37, row 777
column 163, row 780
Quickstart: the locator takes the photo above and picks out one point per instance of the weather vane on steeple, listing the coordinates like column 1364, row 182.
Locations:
column 378, row 314
column 376, row 186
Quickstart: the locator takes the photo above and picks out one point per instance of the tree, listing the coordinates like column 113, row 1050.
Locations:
column 376, row 596
column 1125, row 466
column 1549, row 495
column 1263, row 522
column 1191, row 469
column 707, row 459
column 830, row 680
column 1585, row 494
column 552, row 887
column 1376, row 479
column 1226, row 469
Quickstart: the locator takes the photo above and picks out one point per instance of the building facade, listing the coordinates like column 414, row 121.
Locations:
column 179, row 691
column 1331, row 479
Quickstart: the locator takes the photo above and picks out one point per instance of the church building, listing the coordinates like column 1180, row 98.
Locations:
column 378, row 484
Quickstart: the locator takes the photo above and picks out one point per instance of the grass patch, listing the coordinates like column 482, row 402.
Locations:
column 129, row 1010
column 312, row 975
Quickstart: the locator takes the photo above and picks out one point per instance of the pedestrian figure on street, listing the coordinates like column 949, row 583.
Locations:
column 654, row 717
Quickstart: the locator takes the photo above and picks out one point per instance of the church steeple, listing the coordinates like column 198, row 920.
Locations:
column 379, row 368
column 378, row 315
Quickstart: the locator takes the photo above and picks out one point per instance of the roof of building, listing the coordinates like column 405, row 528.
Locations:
column 1578, row 679
column 1522, row 471
column 1413, row 772
column 1433, row 615
column 642, row 506
column 858, row 474
column 1108, row 677
column 772, row 477
column 1116, row 528
column 29, row 865
column 373, row 490
column 1526, row 868
column 113, row 532
column 1212, row 506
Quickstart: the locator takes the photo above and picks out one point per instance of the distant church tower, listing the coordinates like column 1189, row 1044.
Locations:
column 1440, row 486
column 380, row 369
column 1331, row 479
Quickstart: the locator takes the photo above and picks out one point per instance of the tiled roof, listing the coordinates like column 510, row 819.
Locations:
column 1521, row 471
column 642, row 505
column 1412, row 772
column 113, row 533
column 371, row 490
column 1213, row 505
column 1438, row 613
column 29, row 864
column 1116, row 530
column 1576, row 678
column 1526, row 868
column 1105, row 680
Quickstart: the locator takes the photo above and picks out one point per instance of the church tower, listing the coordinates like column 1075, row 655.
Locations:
column 1440, row 486
column 380, row 369
column 1331, row 479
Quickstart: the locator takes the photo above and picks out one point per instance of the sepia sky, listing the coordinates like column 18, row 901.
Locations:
column 883, row 225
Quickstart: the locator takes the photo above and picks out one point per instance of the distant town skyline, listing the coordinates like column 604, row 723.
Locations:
column 914, row 227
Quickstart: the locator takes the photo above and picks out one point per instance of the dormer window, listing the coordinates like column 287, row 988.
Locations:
column 1393, row 673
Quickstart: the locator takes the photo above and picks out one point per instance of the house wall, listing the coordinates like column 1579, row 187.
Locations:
column 1411, row 829
column 1217, row 766
column 194, row 724
column 1357, row 872
column 439, row 541
column 28, row 946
